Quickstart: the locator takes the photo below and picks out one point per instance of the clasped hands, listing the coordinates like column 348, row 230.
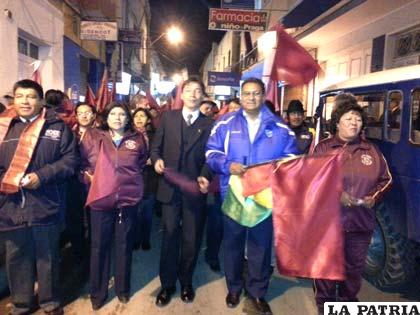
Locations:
column 348, row 201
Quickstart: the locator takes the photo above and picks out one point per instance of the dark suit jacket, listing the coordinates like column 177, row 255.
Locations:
column 167, row 146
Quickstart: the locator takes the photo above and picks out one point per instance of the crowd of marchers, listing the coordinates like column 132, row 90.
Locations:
column 97, row 178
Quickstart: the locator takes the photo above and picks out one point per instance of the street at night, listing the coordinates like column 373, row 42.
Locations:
column 180, row 157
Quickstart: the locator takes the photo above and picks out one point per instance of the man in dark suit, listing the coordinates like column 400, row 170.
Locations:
column 179, row 144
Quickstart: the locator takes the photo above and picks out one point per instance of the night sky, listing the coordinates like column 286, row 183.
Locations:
column 192, row 17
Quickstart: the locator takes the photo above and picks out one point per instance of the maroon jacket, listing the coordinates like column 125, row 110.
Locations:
column 365, row 173
column 119, row 179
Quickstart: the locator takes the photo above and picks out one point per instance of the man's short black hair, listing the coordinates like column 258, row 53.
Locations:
column 54, row 98
column 84, row 104
column 29, row 84
column 193, row 79
column 256, row 81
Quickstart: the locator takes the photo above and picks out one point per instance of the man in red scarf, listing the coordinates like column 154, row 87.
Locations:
column 38, row 152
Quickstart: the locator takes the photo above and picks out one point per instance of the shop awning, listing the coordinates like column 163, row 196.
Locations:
column 255, row 71
column 305, row 11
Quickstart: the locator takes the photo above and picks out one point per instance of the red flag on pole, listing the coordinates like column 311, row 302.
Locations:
column 152, row 102
column 102, row 96
column 308, row 234
column 292, row 63
column 113, row 95
column 306, row 214
column 90, row 97
column 272, row 93
column 36, row 74
column 178, row 103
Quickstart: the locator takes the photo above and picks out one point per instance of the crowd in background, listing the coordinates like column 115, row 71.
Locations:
column 114, row 167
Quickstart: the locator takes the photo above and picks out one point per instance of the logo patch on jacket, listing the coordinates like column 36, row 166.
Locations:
column 366, row 159
column 307, row 137
column 130, row 144
column 53, row 134
column 268, row 133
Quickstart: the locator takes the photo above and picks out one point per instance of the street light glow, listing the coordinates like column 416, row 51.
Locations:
column 174, row 35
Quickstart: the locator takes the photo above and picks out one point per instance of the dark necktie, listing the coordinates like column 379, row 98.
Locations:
column 189, row 117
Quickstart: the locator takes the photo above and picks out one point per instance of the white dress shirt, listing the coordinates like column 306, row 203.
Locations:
column 253, row 125
column 186, row 112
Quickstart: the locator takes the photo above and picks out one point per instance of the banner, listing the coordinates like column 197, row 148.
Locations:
column 91, row 30
column 237, row 20
column 223, row 78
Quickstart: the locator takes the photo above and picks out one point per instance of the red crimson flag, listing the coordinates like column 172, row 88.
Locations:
column 102, row 97
column 113, row 95
column 292, row 63
column 308, row 234
column 151, row 100
column 102, row 193
column 90, row 97
column 272, row 93
column 178, row 103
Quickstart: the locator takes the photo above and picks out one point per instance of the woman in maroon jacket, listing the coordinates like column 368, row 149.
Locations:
column 365, row 179
column 113, row 161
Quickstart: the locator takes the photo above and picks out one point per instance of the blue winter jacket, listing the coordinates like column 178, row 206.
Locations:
column 229, row 142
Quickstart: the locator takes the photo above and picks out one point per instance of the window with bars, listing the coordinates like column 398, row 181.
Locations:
column 407, row 44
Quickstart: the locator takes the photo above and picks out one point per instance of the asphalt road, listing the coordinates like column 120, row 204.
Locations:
column 286, row 296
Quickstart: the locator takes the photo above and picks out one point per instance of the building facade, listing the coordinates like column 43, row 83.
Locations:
column 31, row 32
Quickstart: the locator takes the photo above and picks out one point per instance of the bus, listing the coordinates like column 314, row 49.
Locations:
column 390, row 100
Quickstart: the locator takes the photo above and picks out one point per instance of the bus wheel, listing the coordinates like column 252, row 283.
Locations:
column 390, row 260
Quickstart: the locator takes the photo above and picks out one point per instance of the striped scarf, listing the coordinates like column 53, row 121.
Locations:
column 24, row 151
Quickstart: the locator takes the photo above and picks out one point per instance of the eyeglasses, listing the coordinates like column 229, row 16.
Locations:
column 87, row 114
column 255, row 94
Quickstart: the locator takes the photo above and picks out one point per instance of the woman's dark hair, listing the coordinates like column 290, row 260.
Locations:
column 54, row 98
column 109, row 108
column 344, row 103
column 149, row 125
column 235, row 99
column 84, row 104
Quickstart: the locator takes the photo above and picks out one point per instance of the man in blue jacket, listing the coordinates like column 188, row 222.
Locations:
column 239, row 139
column 38, row 154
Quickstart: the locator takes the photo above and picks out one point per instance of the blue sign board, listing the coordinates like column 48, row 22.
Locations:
column 238, row 4
column 223, row 78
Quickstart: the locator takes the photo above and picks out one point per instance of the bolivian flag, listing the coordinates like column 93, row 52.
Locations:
column 249, row 205
column 249, row 198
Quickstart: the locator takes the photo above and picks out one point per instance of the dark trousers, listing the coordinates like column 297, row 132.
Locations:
column 144, row 219
column 214, row 229
column 76, row 218
column 356, row 245
column 33, row 252
column 183, row 222
column 108, row 226
column 258, row 240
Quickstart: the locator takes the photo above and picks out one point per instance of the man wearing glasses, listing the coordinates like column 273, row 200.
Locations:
column 85, row 116
column 77, row 227
column 240, row 139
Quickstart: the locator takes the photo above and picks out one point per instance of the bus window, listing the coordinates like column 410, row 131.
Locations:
column 326, row 116
column 393, row 130
column 415, row 117
column 373, row 107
